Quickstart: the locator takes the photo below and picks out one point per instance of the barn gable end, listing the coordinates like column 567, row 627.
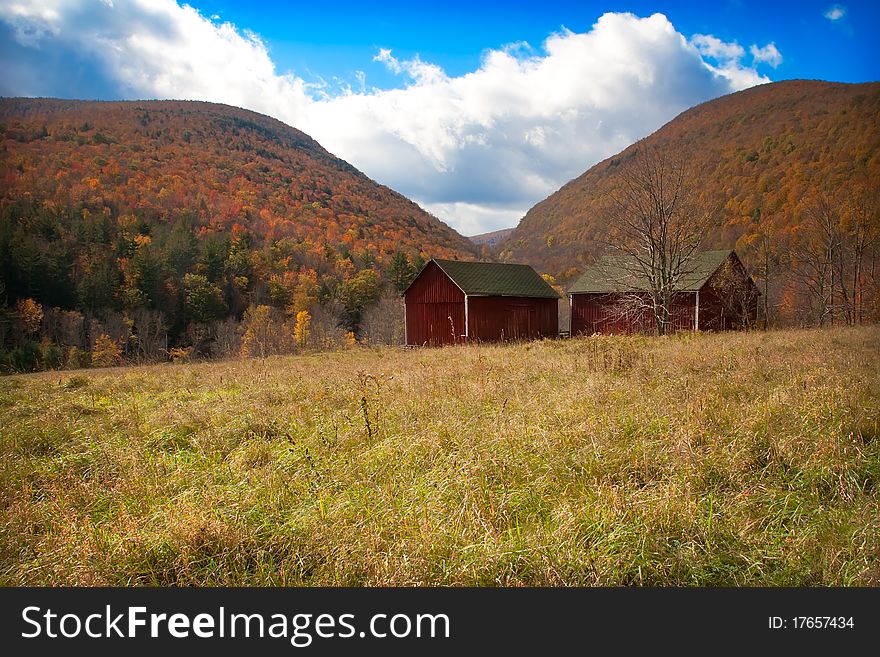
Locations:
column 434, row 308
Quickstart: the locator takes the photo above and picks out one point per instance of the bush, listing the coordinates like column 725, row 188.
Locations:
column 51, row 356
column 105, row 352
column 21, row 359
column 75, row 358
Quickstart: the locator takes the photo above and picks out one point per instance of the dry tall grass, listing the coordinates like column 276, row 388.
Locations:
column 737, row 459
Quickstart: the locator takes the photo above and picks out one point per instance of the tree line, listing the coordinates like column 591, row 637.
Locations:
column 821, row 270
column 80, row 288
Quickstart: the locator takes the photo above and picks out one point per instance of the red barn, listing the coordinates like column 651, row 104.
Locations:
column 451, row 301
column 716, row 293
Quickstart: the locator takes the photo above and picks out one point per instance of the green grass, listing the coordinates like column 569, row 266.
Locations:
column 735, row 459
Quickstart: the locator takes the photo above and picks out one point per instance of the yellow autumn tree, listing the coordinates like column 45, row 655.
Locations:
column 105, row 352
column 31, row 314
column 306, row 292
column 301, row 329
column 257, row 320
column 264, row 334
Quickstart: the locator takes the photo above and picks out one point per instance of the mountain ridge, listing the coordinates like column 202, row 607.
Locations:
column 257, row 145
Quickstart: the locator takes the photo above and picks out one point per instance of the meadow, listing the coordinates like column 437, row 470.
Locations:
column 697, row 459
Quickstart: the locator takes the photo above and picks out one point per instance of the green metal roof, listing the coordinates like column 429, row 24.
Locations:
column 620, row 274
column 496, row 279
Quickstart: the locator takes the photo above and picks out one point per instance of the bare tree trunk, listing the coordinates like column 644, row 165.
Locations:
column 831, row 288
column 660, row 225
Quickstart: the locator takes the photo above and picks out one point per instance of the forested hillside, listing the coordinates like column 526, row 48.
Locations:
column 790, row 172
column 154, row 223
column 491, row 239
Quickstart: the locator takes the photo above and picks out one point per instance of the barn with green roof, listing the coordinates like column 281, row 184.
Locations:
column 453, row 301
column 714, row 292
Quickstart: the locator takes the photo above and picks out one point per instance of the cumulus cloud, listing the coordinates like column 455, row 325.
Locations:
column 30, row 25
column 476, row 149
column 728, row 59
column 716, row 48
column 769, row 54
column 835, row 12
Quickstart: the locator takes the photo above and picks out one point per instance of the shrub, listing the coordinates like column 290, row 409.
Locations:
column 75, row 358
column 51, row 356
column 105, row 352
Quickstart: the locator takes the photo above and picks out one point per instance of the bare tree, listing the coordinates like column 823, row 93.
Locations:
column 197, row 337
column 325, row 327
column 768, row 249
column 382, row 323
column 660, row 224
column 152, row 334
column 227, row 338
column 66, row 328
column 265, row 333
column 817, row 254
column 836, row 254
column 861, row 234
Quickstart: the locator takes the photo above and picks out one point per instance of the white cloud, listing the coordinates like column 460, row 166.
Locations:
column 476, row 149
column 473, row 219
column 728, row 56
column 715, row 48
column 30, row 24
column 835, row 12
column 769, row 54
column 420, row 72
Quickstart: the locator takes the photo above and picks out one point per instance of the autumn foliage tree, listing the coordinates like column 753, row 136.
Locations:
column 302, row 328
column 362, row 290
column 30, row 313
column 105, row 352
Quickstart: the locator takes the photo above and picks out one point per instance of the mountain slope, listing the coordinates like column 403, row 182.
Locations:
column 491, row 239
column 758, row 155
column 224, row 166
column 159, row 225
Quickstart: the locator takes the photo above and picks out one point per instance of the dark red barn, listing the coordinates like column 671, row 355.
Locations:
column 451, row 301
column 716, row 293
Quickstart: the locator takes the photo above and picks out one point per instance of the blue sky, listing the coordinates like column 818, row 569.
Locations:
column 309, row 37
column 475, row 110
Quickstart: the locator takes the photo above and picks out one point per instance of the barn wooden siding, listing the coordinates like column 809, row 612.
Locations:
column 434, row 309
column 596, row 313
column 512, row 318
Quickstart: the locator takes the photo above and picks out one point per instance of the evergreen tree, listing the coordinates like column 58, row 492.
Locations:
column 401, row 271
column 358, row 292
column 203, row 300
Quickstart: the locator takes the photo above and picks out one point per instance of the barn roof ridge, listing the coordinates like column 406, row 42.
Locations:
column 503, row 279
column 615, row 273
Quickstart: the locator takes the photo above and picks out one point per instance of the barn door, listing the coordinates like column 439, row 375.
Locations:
column 517, row 324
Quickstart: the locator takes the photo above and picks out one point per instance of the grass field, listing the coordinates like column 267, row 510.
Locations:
column 735, row 459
